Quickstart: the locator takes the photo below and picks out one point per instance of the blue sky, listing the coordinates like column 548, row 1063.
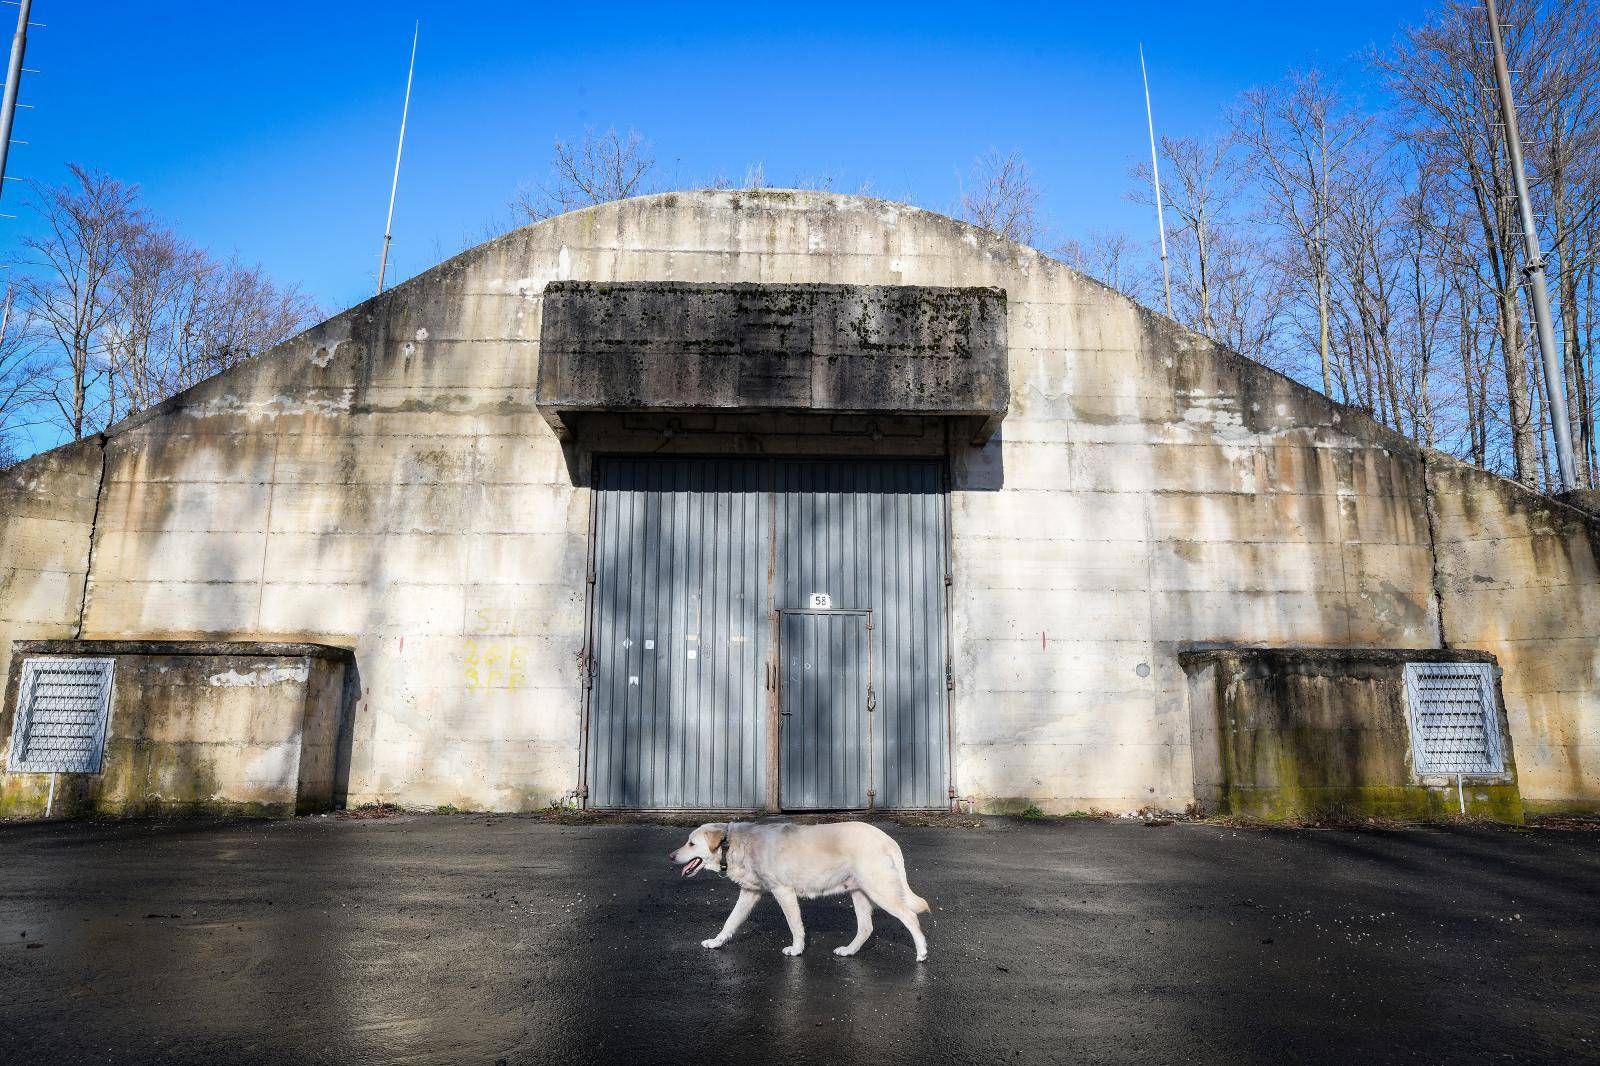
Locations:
column 268, row 129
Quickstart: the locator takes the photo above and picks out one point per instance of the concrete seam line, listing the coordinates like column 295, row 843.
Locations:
column 94, row 529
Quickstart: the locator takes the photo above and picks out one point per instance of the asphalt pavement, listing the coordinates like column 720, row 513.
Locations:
column 482, row 939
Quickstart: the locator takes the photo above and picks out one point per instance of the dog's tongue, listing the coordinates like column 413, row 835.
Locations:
column 689, row 868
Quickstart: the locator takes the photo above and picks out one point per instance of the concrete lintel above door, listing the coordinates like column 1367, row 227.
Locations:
column 888, row 350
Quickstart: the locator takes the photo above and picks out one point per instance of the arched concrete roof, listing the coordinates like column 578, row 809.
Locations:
column 490, row 293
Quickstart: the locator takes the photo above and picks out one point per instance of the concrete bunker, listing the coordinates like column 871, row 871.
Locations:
column 1076, row 491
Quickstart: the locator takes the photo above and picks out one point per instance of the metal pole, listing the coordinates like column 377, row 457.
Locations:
column 388, row 226
column 1155, row 172
column 8, row 108
column 1554, row 377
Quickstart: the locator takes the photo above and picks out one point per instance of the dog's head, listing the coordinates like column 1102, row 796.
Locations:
column 701, row 850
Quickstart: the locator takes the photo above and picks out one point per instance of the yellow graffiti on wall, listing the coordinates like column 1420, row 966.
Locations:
column 496, row 664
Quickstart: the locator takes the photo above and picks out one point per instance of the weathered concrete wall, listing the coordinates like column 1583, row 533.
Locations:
column 47, row 509
column 385, row 482
column 1323, row 734
column 196, row 729
column 1156, row 490
column 673, row 346
column 1519, row 576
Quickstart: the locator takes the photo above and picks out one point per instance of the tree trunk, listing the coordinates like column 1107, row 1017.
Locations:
column 1518, row 414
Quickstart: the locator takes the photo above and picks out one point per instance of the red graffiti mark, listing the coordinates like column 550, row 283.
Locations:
column 1044, row 640
column 402, row 643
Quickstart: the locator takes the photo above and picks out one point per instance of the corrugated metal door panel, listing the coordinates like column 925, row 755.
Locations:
column 869, row 534
column 825, row 727
column 679, row 634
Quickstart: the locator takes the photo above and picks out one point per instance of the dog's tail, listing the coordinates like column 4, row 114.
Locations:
column 917, row 903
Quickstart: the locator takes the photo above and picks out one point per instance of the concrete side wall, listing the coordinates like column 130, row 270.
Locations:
column 1519, row 576
column 1147, row 490
column 47, row 509
column 214, row 733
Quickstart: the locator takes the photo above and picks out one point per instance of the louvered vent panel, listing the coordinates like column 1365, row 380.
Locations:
column 1454, row 727
column 62, row 707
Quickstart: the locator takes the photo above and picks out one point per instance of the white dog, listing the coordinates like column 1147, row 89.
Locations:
column 791, row 861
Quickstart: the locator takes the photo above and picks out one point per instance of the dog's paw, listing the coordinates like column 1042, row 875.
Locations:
column 794, row 949
column 712, row 943
column 844, row 951
column 922, row 956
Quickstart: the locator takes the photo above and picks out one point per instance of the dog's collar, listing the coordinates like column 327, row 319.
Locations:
column 722, row 849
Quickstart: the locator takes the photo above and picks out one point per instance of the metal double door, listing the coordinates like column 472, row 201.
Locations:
column 768, row 632
column 828, row 710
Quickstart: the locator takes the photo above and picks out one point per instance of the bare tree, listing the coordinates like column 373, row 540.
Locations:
column 1439, row 75
column 115, row 312
column 1111, row 258
column 183, row 317
column 1001, row 196
column 64, row 283
column 597, row 169
column 1565, row 153
column 20, row 369
column 241, row 312
column 1246, row 300
column 155, row 270
column 1298, row 138
column 1200, row 191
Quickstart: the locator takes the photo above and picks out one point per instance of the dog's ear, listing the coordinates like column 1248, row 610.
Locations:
column 714, row 839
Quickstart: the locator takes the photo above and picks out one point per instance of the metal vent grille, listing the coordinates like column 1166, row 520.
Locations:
column 1454, row 727
column 62, row 708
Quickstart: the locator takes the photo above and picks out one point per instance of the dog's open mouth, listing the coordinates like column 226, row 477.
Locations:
column 690, row 867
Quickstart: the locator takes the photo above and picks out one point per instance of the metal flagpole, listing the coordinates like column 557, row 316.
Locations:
column 1554, row 378
column 8, row 108
column 388, row 226
column 1155, row 172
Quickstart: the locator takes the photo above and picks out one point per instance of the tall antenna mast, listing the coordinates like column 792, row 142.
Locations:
column 8, row 108
column 388, row 226
column 1155, row 173
column 1555, row 380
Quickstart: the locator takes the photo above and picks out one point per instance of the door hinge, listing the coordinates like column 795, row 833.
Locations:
column 872, row 798
column 949, row 579
column 586, row 664
column 949, row 682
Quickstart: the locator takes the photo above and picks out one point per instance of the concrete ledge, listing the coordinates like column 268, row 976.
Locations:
column 196, row 727
column 235, row 648
column 846, row 349
column 1324, row 733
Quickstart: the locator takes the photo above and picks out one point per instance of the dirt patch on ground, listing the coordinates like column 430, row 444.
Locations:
column 369, row 812
column 1572, row 823
column 947, row 820
column 919, row 819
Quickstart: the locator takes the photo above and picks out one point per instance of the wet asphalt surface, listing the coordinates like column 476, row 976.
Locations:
column 473, row 939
